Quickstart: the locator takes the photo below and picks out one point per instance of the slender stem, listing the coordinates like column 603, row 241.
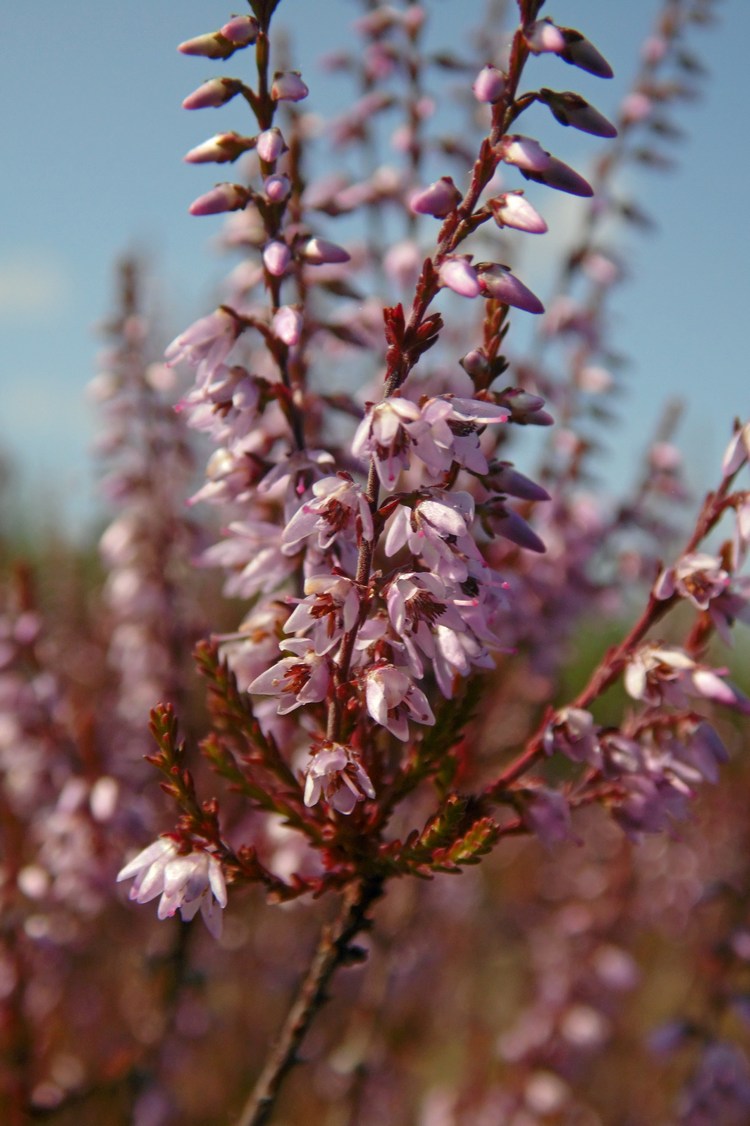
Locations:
column 331, row 952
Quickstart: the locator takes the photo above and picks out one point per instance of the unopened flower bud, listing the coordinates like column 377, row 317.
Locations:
column 500, row 520
column 505, row 478
column 525, row 408
column 211, row 46
column 320, row 252
column 242, row 31
column 288, row 86
column 535, row 163
column 499, row 283
column 219, row 149
column 277, row 188
column 578, row 51
column 489, row 85
column 270, row 145
column 224, row 197
column 215, row 92
column 276, row 258
column 287, row 325
column 544, row 36
column 572, row 109
column 475, row 363
column 459, row 275
column 439, row 199
column 512, row 210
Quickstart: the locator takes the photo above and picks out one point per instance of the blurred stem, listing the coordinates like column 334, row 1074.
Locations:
column 332, row 951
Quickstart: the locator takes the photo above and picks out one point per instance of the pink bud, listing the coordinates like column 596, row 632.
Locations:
column 270, row 145
column 579, row 52
column 489, row 85
column 536, row 164
column 525, row 153
column 500, row 520
column 543, row 36
column 224, row 197
column 459, row 275
column 439, row 199
column 219, row 149
column 276, row 258
column 215, row 92
column 499, row 283
column 287, row 325
column 277, row 188
column 288, row 86
column 242, row 31
column 319, row 252
column 572, row 109
column 210, row 46
column 512, row 210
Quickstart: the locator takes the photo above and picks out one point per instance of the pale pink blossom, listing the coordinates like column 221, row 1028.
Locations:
column 276, row 258
column 287, row 86
column 336, row 774
column 512, row 209
column 439, row 199
column 224, row 197
column 270, row 145
column 329, row 609
column 219, row 149
column 698, row 577
column 392, row 699
column 303, row 678
column 489, row 84
column 338, row 509
column 186, row 882
column 458, row 274
column 215, row 92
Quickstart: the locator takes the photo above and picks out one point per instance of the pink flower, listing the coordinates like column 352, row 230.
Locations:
column 660, row 675
column 242, row 31
column 439, row 199
column 219, row 149
column 287, row 325
column 392, row 699
column 320, row 252
column 276, row 258
column 270, row 145
column 338, row 508
column 697, row 577
column 499, row 283
column 458, row 274
column 277, row 188
column 287, row 86
column 489, row 85
column 301, row 679
column 512, row 210
column 329, row 610
column 206, row 343
column 535, row 163
column 738, row 450
column 336, row 774
column 186, row 883
column 215, row 92
column 224, row 197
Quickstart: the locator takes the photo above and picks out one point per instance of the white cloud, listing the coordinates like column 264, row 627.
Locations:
column 34, row 283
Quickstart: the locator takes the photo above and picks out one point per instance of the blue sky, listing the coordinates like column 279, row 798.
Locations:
column 94, row 139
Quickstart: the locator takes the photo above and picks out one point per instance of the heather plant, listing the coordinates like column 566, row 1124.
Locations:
column 396, row 699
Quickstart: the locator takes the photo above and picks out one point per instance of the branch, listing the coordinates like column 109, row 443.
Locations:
column 332, row 951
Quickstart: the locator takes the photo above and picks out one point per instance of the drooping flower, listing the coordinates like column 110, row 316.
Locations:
column 186, row 882
column 336, row 774
column 392, row 699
